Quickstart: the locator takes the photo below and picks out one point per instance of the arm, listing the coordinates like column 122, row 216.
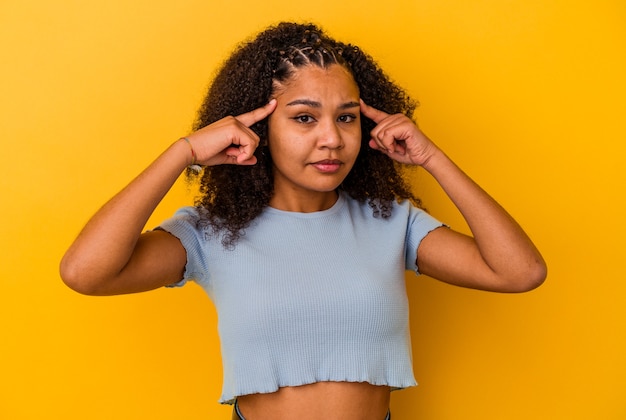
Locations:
column 498, row 256
column 111, row 255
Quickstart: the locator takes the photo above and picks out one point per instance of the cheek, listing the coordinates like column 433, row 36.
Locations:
column 285, row 143
column 284, row 150
column 274, row 142
column 355, row 140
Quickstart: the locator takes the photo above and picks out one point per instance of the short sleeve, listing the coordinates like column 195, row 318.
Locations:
column 184, row 226
column 419, row 225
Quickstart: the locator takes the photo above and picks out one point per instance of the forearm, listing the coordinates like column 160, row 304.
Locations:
column 111, row 255
column 106, row 243
column 503, row 245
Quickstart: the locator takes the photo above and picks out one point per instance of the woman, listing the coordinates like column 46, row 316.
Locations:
column 303, row 229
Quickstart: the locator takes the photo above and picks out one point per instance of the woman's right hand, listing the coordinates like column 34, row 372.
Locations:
column 229, row 140
column 111, row 255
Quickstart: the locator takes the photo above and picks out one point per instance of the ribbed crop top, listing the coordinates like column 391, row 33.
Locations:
column 309, row 297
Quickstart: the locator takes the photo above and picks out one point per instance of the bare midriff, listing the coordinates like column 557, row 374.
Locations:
column 321, row 400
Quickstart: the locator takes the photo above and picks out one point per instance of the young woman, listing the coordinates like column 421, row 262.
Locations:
column 304, row 229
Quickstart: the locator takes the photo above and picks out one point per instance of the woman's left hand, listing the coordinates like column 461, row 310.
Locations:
column 398, row 137
column 498, row 256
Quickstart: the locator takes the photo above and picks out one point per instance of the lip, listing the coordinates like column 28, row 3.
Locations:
column 327, row 165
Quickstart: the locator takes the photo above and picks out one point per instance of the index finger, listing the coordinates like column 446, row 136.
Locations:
column 258, row 114
column 372, row 113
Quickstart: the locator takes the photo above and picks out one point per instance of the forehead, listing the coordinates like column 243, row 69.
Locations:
column 316, row 82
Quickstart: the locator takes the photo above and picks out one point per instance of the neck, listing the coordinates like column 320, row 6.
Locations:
column 308, row 202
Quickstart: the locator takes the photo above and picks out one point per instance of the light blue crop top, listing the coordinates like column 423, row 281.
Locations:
column 309, row 297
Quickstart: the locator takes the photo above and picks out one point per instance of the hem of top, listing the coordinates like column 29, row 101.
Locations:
column 231, row 401
column 417, row 265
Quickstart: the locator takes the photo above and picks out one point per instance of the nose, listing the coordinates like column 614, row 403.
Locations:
column 330, row 136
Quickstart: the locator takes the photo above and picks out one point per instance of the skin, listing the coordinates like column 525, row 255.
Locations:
column 314, row 138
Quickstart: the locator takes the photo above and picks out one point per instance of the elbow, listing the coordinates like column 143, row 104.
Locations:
column 77, row 278
column 531, row 278
column 537, row 274
column 76, row 282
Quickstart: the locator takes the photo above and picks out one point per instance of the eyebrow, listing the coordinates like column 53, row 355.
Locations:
column 315, row 104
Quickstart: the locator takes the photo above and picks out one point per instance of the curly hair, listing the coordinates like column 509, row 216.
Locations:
column 246, row 81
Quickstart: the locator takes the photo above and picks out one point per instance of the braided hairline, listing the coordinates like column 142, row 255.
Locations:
column 314, row 49
column 318, row 55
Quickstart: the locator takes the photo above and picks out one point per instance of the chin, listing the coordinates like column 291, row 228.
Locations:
column 327, row 187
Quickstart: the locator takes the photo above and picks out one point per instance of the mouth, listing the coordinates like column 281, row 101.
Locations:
column 327, row 165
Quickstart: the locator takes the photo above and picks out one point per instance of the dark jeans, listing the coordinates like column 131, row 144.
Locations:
column 238, row 416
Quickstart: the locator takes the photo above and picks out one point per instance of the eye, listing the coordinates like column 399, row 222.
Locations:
column 347, row 118
column 304, row 119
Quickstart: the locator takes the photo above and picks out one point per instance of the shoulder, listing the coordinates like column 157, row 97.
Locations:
column 393, row 211
column 403, row 214
column 187, row 213
column 186, row 222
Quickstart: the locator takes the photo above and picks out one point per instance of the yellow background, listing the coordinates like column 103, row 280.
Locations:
column 526, row 95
